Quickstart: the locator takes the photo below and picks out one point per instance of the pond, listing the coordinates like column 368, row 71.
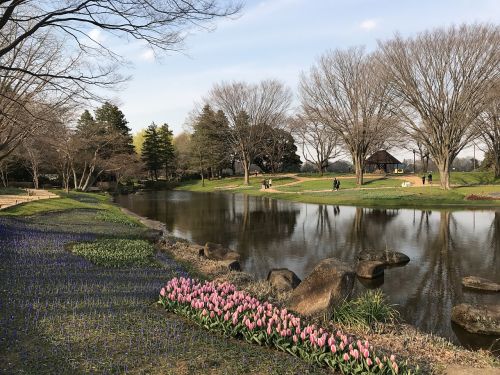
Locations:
column 443, row 245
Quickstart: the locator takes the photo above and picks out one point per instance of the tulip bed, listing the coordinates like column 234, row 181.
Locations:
column 221, row 307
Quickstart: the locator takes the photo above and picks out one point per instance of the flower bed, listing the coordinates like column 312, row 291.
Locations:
column 222, row 308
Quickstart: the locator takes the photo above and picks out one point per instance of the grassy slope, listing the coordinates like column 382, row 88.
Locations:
column 71, row 201
column 396, row 196
column 65, row 315
column 12, row 191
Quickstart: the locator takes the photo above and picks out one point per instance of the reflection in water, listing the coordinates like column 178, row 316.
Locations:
column 443, row 246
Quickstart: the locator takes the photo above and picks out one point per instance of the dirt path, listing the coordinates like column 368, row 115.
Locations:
column 31, row 195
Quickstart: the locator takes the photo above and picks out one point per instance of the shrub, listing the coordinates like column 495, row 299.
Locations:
column 364, row 311
column 116, row 252
column 222, row 308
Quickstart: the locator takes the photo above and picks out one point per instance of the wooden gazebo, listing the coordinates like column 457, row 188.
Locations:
column 382, row 160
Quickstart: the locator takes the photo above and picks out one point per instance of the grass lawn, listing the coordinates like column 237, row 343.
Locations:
column 345, row 183
column 12, row 191
column 390, row 194
column 232, row 183
column 64, row 314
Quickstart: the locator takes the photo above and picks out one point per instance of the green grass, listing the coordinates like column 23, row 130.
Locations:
column 232, row 183
column 390, row 194
column 113, row 216
column 471, row 178
column 116, row 252
column 345, row 183
column 366, row 310
column 107, row 212
column 12, row 191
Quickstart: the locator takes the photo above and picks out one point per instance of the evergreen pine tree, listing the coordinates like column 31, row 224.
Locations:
column 114, row 120
column 167, row 152
column 152, row 150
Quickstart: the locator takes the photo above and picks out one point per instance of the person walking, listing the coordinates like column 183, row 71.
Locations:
column 423, row 179
column 338, row 185
column 429, row 178
column 334, row 184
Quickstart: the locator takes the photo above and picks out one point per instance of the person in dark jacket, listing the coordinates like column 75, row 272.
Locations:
column 429, row 178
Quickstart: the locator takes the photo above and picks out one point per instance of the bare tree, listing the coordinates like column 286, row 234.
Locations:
column 161, row 24
column 250, row 110
column 49, row 53
column 488, row 126
column 439, row 80
column 318, row 142
column 27, row 101
column 346, row 92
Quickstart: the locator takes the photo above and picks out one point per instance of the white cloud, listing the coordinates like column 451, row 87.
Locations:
column 368, row 24
column 147, row 55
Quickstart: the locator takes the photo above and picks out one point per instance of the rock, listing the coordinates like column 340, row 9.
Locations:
column 389, row 258
column 218, row 252
column 328, row 284
column 480, row 283
column 232, row 255
column 232, row 265
column 370, row 269
column 483, row 319
column 283, row 279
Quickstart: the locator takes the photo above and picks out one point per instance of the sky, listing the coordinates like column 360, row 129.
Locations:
column 276, row 39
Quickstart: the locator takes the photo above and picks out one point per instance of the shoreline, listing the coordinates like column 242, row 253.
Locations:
column 377, row 192
column 436, row 354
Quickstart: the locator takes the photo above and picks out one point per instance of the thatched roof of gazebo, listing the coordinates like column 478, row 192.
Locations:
column 382, row 157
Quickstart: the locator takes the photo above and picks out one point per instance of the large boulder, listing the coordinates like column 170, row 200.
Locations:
column 283, row 279
column 389, row 258
column 484, row 319
column 370, row 269
column 330, row 282
column 216, row 251
column 480, row 283
column 232, row 265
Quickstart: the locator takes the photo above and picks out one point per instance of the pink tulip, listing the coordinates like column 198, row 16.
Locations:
column 333, row 348
column 162, row 292
column 346, row 357
column 369, row 362
column 392, row 358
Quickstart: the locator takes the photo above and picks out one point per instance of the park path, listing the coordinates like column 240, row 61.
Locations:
column 31, row 195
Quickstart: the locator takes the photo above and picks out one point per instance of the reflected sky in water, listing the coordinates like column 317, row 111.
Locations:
column 443, row 246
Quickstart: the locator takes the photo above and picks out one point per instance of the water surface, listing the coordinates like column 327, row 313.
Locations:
column 443, row 245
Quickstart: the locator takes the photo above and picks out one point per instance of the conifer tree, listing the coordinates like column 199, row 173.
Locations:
column 167, row 153
column 152, row 150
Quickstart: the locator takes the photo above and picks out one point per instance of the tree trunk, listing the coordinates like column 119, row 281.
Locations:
column 497, row 165
column 358, row 167
column 75, row 181
column 246, row 167
column 444, row 173
column 202, row 178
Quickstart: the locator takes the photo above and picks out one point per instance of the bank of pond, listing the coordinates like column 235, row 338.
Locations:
column 443, row 246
